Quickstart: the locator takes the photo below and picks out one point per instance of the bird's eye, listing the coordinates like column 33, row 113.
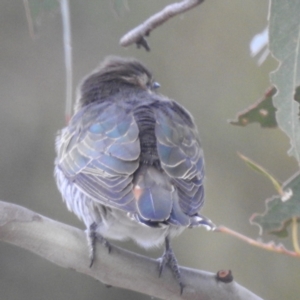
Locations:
column 155, row 85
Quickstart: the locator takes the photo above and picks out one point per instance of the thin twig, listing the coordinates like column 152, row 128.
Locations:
column 29, row 19
column 138, row 34
column 271, row 246
column 66, row 24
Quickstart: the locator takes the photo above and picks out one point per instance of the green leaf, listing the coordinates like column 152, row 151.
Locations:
column 284, row 33
column 256, row 167
column 280, row 209
column 262, row 112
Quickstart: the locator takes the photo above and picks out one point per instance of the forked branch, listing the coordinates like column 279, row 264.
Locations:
column 137, row 35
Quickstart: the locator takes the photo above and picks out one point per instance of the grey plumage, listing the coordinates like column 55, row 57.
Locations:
column 130, row 161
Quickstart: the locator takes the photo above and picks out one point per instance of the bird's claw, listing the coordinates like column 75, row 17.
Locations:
column 168, row 258
column 93, row 236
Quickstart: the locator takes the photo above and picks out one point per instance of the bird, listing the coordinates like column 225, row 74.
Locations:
column 130, row 162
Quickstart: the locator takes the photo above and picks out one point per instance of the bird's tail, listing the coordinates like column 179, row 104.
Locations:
column 157, row 199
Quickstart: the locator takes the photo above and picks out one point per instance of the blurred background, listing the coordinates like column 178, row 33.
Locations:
column 202, row 60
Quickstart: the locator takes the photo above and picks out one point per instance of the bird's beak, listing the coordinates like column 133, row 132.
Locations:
column 155, row 85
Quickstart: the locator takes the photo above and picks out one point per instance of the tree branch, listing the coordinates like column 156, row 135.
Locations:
column 271, row 246
column 66, row 246
column 138, row 34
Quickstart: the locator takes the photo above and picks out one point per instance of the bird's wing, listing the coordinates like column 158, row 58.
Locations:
column 181, row 157
column 99, row 151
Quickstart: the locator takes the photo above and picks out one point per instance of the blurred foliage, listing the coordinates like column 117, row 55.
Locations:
column 38, row 8
column 262, row 112
column 284, row 40
column 280, row 209
column 284, row 45
column 256, row 167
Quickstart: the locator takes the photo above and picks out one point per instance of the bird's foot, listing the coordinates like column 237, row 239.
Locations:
column 93, row 236
column 170, row 260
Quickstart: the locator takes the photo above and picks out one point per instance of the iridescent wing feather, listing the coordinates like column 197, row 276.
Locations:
column 100, row 152
column 181, row 155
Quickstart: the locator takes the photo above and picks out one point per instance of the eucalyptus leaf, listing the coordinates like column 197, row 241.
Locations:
column 280, row 209
column 262, row 112
column 284, row 38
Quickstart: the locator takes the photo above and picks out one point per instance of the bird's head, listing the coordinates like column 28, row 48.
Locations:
column 114, row 75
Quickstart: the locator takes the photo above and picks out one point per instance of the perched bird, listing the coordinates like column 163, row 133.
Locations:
column 130, row 163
